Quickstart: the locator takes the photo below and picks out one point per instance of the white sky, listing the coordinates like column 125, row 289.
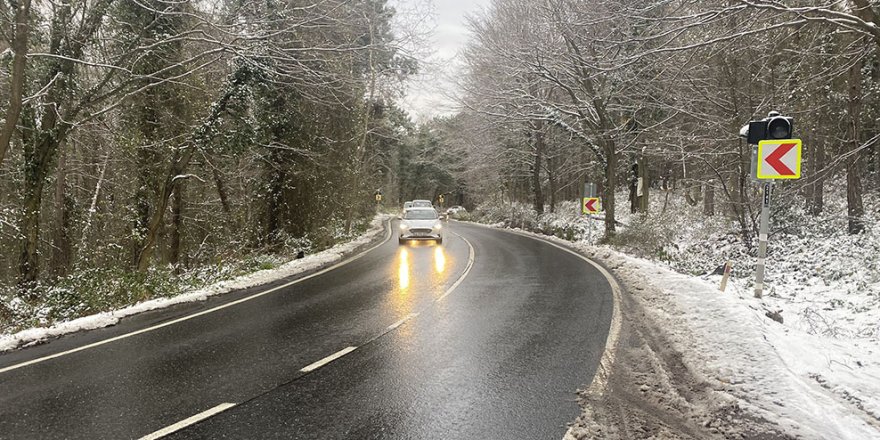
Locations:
column 446, row 34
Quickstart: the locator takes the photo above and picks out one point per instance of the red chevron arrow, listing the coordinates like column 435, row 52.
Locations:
column 774, row 160
column 591, row 205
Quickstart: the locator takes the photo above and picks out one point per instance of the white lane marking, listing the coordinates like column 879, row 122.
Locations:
column 204, row 312
column 600, row 380
column 467, row 269
column 328, row 359
column 402, row 321
column 189, row 421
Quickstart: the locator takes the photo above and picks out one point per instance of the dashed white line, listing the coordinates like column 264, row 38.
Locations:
column 189, row 421
column 328, row 359
column 402, row 321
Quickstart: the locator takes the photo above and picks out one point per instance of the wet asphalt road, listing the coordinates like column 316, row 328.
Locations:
column 499, row 357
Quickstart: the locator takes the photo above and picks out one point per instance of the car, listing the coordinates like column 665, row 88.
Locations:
column 406, row 206
column 456, row 211
column 420, row 224
column 422, row 204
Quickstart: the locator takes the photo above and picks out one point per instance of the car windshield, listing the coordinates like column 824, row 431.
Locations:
column 421, row 204
column 421, row 214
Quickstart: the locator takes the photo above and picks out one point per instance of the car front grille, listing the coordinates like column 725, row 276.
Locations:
column 420, row 231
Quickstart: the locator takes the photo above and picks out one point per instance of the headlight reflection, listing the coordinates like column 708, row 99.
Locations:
column 439, row 259
column 403, row 270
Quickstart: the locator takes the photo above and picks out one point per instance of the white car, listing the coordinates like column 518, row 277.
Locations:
column 422, row 204
column 420, row 224
column 456, row 211
column 406, row 207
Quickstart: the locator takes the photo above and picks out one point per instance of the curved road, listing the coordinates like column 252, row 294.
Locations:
column 407, row 342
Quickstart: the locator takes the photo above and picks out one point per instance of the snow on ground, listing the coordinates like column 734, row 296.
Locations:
column 310, row 262
column 817, row 374
column 817, row 387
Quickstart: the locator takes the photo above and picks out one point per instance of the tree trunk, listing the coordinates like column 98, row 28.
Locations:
column 221, row 191
column 666, row 192
column 17, row 75
column 854, row 206
column 643, row 185
column 551, row 179
column 634, row 188
column 817, row 189
column 709, row 199
column 29, row 266
column 172, row 179
column 538, row 138
column 176, row 227
column 61, row 245
column 877, row 168
column 610, row 185
column 93, row 208
column 38, row 161
column 275, row 178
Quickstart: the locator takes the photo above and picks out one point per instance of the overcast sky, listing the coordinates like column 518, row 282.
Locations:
column 428, row 95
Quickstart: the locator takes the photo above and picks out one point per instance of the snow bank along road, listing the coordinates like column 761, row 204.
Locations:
column 486, row 336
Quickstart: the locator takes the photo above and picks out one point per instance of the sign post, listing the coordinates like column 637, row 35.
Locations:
column 777, row 159
column 726, row 276
column 762, row 240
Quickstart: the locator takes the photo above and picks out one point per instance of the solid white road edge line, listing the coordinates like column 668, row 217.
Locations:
column 314, row 366
column 600, row 380
column 189, row 421
column 204, row 312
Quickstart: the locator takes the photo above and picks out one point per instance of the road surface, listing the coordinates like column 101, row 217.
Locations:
column 488, row 335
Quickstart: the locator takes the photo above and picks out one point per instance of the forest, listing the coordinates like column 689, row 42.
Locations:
column 564, row 92
column 148, row 147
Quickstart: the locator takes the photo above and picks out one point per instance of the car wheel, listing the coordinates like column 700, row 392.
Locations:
column 400, row 240
column 439, row 240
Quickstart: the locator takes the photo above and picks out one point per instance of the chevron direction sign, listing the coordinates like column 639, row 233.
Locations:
column 779, row 159
column 591, row 205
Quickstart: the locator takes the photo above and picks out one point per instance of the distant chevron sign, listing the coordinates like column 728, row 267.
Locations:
column 591, row 205
column 779, row 159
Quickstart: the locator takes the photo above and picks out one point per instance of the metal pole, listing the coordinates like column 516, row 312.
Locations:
column 762, row 240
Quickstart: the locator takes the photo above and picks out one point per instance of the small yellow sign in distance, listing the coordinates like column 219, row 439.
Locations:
column 591, row 205
column 779, row 159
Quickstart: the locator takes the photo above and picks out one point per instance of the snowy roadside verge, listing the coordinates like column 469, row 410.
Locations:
column 809, row 386
column 708, row 364
column 309, row 263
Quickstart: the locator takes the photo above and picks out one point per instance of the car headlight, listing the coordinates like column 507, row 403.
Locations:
column 438, row 226
column 402, row 226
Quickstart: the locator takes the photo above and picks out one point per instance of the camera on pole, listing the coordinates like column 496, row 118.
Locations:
column 774, row 126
